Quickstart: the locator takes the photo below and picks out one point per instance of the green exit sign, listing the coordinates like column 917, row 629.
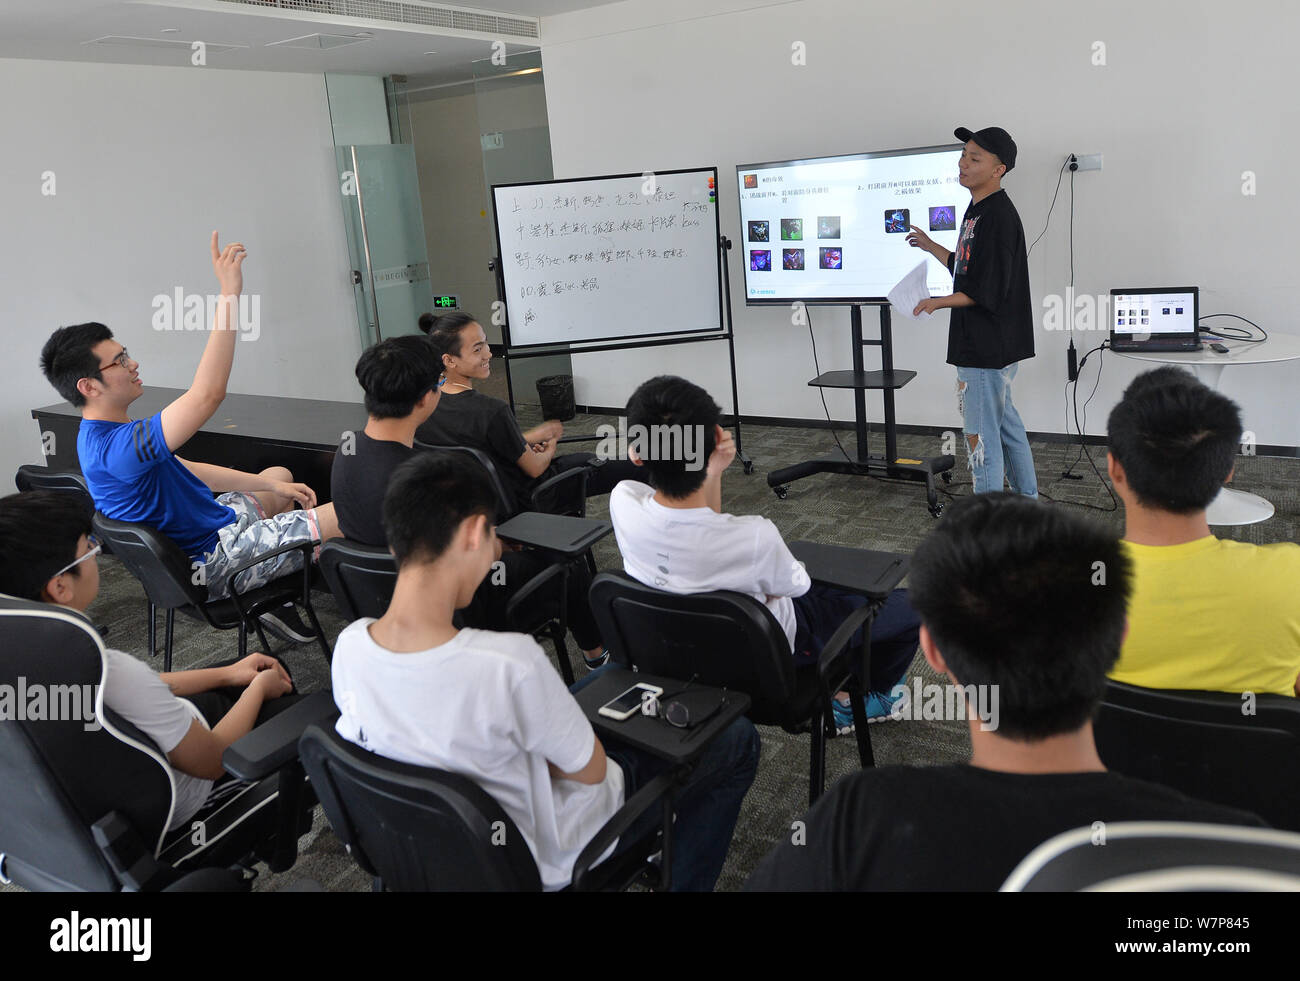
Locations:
column 446, row 302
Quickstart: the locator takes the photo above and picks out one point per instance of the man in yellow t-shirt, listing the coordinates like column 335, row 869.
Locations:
column 1205, row 614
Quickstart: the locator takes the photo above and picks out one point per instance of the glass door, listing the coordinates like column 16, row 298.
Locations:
column 390, row 259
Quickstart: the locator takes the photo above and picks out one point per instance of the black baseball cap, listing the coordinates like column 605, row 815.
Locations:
column 994, row 139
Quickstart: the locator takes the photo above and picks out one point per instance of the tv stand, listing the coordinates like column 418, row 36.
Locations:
column 887, row 380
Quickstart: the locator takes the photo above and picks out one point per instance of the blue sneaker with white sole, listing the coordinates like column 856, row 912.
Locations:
column 879, row 706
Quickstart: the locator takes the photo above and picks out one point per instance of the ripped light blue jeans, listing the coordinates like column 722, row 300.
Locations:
column 996, row 444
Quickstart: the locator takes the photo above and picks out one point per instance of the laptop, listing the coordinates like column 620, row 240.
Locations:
column 1155, row 319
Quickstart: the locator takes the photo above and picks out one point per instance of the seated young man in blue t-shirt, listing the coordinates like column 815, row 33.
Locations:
column 134, row 474
column 412, row 687
column 674, row 535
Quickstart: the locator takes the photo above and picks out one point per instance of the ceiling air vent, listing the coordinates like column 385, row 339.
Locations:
column 156, row 42
column 317, row 42
column 402, row 12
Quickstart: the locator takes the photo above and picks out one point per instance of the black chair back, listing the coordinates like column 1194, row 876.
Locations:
column 30, row 478
column 162, row 568
column 1162, row 856
column 59, row 777
column 1205, row 745
column 361, row 577
column 416, row 829
column 726, row 639
column 505, row 503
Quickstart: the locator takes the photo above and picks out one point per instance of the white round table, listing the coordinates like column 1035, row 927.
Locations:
column 1230, row 507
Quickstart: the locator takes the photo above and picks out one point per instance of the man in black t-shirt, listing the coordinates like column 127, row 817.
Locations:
column 402, row 381
column 1009, row 609
column 992, row 322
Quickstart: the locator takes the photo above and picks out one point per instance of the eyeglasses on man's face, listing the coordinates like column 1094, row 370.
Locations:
column 95, row 549
column 121, row 360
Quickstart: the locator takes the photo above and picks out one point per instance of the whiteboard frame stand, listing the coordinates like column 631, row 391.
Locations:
column 727, row 334
column 887, row 379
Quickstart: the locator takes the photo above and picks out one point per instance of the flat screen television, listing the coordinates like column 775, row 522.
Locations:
column 834, row 229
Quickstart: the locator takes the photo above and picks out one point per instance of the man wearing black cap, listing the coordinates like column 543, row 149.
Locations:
column 992, row 323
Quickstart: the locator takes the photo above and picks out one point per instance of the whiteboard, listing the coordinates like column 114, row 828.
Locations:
column 609, row 258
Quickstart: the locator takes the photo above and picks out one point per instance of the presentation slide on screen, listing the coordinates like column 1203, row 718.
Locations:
column 1153, row 313
column 835, row 228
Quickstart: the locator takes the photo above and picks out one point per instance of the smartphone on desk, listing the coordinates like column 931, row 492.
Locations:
column 628, row 704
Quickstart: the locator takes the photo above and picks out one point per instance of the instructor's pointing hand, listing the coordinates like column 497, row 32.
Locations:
column 917, row 239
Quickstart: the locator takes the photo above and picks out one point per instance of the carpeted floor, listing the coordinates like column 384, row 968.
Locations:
column 845, row 510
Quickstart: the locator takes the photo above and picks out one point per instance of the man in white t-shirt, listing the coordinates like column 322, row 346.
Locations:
column 674, row 535
column 192, row 716
column 412, row 687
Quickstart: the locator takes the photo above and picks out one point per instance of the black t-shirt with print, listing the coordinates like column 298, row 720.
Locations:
column 991, row 266
column 485, row 423
column 957, row 828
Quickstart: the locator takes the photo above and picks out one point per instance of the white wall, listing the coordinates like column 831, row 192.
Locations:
column 1192, row 95
column 147, row 162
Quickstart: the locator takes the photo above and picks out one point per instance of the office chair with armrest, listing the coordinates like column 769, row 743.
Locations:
column 1162, row 856
column 730, row 640
column 416, row 828
column 1203, row 744
column 362, row 579
column 167, row 576
column 88, row 809
column 564, row 493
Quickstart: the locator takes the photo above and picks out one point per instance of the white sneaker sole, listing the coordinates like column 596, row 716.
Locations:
column 895, row 714
column 283, row 631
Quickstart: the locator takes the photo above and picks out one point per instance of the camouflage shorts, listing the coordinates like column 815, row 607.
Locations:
column 250, row 534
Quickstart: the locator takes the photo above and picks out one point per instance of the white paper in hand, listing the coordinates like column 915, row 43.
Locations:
column 909, row 291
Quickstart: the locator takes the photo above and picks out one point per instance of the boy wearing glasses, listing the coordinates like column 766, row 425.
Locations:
column 412, row 687
column 134, row 474
column 50, row 557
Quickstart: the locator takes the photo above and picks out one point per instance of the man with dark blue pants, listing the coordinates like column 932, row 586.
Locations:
column 674, row 535
column 992, row 322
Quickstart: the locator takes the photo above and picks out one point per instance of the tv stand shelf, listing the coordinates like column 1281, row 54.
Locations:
column 888, row 379
column 863, row 379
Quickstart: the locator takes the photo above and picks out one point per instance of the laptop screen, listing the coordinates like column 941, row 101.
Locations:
column 1160, row 314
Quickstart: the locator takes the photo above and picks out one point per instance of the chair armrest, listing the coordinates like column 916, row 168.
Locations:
column 263, row 556
column 832, row 660
column 562, row 534
column 855, row 570
column 573, row 473
column 649, row 795
column 305, row 547
column 534, row 586
column 275, row 743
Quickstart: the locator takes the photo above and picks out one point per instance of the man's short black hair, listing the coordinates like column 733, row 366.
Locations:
column 1175, row 438
column 671, row 401
column 444, row 332
column 427, row 499
column 1027, row 597
column 40, row 531
column 394, row 374
column 67, row 358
